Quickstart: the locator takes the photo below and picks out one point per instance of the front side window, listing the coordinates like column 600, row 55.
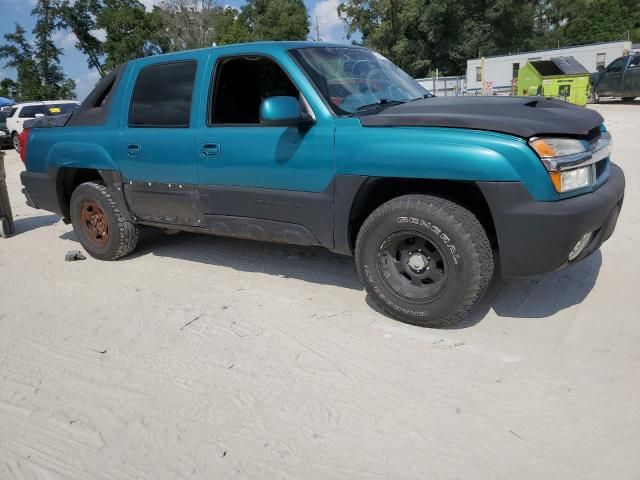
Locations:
column 162, row 96
column 635, row 62
column 240, row 86
column 353, row 79
column 616, row 66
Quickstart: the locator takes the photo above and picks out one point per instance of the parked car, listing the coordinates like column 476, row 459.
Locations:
column 620, row 79
column 256, row 141
column 5, row 140
column 20, row 113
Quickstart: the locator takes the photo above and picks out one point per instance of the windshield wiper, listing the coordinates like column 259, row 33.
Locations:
column 383, row 102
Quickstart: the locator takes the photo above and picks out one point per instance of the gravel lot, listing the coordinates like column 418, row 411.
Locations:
column 204, row 357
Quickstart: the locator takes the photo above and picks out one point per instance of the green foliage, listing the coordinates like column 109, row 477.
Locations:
column 131, row 31
column 273, row 20
column 79, row 17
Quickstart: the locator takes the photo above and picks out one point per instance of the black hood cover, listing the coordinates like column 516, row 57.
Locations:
column 521, row 116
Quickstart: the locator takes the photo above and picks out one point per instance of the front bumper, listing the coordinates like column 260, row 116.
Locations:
column 536, row 237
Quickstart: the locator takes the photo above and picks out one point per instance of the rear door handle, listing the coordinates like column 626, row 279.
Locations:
column 210, row 150
column 133, row 149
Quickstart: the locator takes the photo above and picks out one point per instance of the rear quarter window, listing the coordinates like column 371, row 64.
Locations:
column 162, row 95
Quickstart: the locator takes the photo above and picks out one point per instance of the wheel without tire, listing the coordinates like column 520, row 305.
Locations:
column 424, row 260
column 102, row 229
column 16, row 141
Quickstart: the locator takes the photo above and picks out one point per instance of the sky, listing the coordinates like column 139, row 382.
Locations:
column 75, row 64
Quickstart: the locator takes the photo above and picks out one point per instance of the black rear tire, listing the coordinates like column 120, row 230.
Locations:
column 101, row 228
column 424, row 260
column 15, row 140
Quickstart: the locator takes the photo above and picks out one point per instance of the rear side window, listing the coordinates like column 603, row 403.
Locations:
column 32, row 111
column 162, row 95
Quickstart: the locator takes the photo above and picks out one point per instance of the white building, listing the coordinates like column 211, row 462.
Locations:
column 500, row 71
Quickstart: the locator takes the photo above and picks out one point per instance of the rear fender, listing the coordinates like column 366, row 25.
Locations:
column 80, row 155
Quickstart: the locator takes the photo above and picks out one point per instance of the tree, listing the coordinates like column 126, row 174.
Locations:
column 8, row 88
column 132, row 32
column 54, row 84
column 274, row 20
column 19, row 55
column 197, row 23
column 79, row 17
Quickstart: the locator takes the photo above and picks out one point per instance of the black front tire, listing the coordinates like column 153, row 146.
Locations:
column 450, row 239
column 593, row 95
column 121, row 235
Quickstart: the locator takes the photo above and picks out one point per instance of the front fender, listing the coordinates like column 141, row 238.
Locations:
column 440, row 154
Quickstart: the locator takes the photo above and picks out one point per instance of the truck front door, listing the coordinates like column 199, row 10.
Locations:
column 257, row 181
column 611, row 82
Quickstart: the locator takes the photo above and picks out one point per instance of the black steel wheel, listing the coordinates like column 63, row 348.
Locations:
column 412, row 265
column 424, row 260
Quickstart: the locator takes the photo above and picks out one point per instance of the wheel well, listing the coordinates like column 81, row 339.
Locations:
column 376, row 191
column 69, row 179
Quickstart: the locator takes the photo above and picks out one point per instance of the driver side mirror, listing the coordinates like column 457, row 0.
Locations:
column 282, row 112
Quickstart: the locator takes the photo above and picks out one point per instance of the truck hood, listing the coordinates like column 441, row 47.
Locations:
column 521, row 116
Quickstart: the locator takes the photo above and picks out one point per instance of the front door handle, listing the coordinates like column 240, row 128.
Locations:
column 133, row 149
column 210, row 150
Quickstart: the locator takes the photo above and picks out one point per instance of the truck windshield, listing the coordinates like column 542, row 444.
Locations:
column 354, row 79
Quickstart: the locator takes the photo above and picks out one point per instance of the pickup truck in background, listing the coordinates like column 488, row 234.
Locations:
column 620, row 79
column 331, row 145
column 20, row 113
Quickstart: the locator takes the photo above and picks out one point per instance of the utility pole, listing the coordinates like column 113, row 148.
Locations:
column 317, row 29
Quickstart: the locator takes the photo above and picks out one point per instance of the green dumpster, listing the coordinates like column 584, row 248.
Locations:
column 560, row 77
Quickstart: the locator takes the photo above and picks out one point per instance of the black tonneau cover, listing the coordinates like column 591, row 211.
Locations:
column 521, row 116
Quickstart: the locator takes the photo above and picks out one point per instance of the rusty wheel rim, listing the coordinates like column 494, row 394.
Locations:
column 95, row 223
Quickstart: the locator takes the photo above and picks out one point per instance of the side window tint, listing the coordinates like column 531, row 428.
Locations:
column 635, row 62
column 241, row 84
column 616, row 66
column 162, row 95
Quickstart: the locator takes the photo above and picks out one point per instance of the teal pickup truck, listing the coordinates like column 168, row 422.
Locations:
column 331, row 145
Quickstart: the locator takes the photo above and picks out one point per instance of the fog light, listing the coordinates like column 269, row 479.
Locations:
column 568, row 180
column 577, row 250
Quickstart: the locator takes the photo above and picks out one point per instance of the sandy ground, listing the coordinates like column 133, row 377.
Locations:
column 204, row 357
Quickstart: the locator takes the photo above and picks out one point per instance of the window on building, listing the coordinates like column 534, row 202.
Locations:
column 601, row 60
column 241, row 84
column 478, row 74
column 516, row 69
column 162, row 95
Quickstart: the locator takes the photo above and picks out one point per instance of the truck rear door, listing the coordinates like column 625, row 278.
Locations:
column 156, row 144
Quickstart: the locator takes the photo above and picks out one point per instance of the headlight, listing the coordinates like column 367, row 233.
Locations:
column 557, row 147
column 568, row 180
column 558, row 155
